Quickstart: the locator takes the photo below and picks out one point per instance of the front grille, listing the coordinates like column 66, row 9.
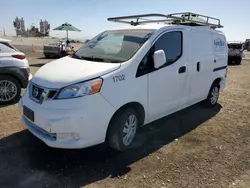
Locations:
column 39, row 93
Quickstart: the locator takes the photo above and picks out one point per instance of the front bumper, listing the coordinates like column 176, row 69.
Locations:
column 70, row 123
column 66, row 140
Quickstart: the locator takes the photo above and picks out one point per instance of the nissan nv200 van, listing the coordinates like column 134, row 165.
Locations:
column 123, row 79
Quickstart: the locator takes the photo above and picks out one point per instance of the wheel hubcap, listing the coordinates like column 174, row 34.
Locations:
column 215, row 95
column 8, row 90
column 129, row 129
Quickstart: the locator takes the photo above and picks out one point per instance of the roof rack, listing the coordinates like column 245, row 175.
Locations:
column 183, row 18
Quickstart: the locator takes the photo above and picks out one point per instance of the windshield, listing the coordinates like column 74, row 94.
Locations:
column 114, row 46
column 53, row 44
column 11, row 48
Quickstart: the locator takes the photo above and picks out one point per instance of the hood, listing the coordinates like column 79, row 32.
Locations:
column 67, row 70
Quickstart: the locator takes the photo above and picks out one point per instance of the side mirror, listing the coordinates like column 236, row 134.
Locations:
column 159, row 58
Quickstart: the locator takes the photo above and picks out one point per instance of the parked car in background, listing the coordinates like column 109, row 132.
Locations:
column 235, row 52
column 57, row 49
column 247, row 45
column 51, row 49
column 14, row 72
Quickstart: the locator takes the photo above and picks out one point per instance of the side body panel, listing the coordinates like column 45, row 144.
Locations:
column 220, row 50
column 201, row 62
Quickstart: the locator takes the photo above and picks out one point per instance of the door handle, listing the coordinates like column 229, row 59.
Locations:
column 182, row 69
column 215, row 61
column 198, row 67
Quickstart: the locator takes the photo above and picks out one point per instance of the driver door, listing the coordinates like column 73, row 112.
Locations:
column 167, row 85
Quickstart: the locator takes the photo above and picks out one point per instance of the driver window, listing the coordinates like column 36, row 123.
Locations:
column 171, row 44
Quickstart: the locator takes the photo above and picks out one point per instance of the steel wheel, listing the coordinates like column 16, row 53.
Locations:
column 122, row 129
column 8, row 90
column 214, row 95
column 129, row 130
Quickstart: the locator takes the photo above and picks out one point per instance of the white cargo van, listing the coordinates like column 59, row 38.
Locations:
column 125, row 78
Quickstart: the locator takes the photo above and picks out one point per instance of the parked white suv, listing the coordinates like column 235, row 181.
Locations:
column 14, row 72
column 123, row 79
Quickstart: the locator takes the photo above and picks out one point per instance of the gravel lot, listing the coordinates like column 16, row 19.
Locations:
column 197, row 147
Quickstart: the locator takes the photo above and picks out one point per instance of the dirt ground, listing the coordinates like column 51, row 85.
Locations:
column 194, row 148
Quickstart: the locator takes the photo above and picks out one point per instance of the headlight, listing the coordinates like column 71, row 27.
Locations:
column 80, row 89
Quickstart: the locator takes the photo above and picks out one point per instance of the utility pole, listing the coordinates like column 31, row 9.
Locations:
column 4, row 32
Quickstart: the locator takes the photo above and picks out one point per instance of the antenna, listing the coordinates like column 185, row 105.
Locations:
column 183, row 18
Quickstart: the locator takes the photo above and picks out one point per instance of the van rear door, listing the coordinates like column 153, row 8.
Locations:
column 220, row 50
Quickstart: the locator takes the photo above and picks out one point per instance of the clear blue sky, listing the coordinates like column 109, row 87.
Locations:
column 91, row 16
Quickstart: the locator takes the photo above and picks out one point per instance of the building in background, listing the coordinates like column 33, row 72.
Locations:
column 44, row 27
column 2, row 32
column 19, row 25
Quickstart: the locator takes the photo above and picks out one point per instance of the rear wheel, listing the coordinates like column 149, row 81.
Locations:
column 230, row 61
column 10, row 89
column 237, row 61
column 122, row 129
column 213, row 95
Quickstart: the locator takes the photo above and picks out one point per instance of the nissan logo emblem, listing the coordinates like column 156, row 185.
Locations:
column 35, row 92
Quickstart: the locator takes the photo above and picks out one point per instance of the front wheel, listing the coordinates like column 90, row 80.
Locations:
column 122, row 129
column 10, row 89
column 213, row 95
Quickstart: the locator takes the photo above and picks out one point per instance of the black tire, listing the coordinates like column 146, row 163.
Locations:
column 16, row 84
column 230, row 61
column 237, row 62
column 210, row 101
column 47, row 56
column 115, row 132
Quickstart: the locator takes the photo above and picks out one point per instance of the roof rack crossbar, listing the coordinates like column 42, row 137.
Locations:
column 183, row 18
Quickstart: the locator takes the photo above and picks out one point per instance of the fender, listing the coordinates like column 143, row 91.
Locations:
column 22, row 74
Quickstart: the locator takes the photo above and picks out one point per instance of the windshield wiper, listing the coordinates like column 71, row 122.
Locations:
column 76, row 56
column 92, row 58
column 96, row 59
